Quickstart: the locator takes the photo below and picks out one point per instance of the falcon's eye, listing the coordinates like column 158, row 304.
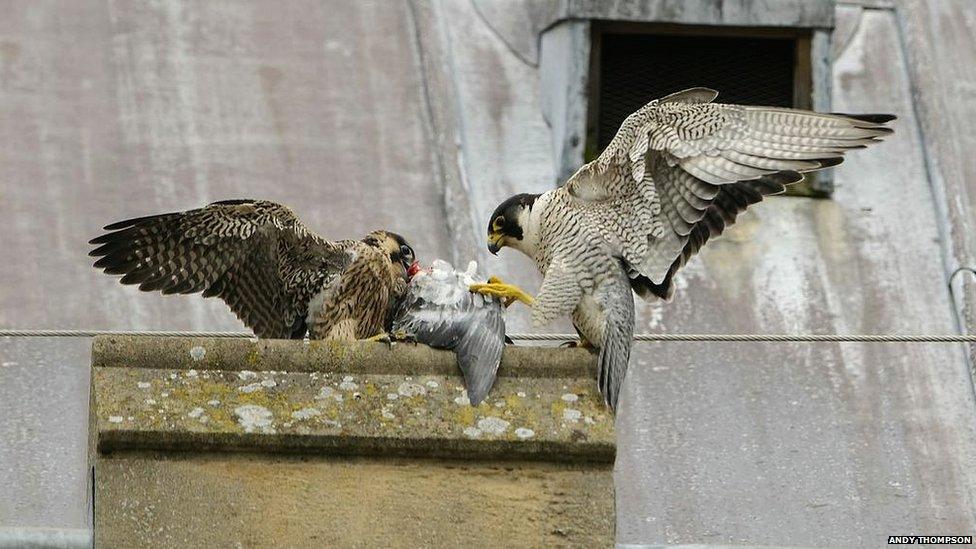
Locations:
column 498, row 223
column 406, row 252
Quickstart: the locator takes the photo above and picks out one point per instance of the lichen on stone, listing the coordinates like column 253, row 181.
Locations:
column 572, row 415
column 493, row 425
column 305, row 413
column 255, row 418
column 408, row 389
column 327, row 392
column 197, row 353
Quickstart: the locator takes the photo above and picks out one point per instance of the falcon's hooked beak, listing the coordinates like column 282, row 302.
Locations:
column 495, row 243
column 414, row 269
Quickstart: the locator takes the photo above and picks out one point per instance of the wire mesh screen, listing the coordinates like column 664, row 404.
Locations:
column 636, row 68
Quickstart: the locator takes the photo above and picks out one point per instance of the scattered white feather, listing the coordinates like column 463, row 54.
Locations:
column 440, row 284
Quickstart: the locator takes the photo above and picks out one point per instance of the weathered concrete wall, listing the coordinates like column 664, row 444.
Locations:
column 943, row 86
column 823, row 445
column 190, row 442
column 112, row 109
column 519, row 24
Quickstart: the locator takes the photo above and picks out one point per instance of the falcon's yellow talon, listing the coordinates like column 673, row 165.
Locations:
column 391, row 338
column 507, row 293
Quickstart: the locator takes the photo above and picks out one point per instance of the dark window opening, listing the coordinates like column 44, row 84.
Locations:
column 636, row 68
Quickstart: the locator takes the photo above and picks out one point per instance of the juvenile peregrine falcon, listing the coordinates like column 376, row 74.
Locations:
column 677, row 172
column 281, row 279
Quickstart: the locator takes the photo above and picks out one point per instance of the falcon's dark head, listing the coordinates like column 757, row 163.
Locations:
column 507, row 224
column 395, row 246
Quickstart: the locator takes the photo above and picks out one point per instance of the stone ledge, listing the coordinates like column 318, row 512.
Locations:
column 195, row 442
column 315, row 356
column 360, row 399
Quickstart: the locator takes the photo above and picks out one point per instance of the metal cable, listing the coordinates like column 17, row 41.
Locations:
column 862, row 338
column 93, row 333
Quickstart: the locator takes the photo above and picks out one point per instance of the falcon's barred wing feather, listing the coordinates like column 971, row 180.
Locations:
column 729, row 202
column 666, row 170
column 255, row 255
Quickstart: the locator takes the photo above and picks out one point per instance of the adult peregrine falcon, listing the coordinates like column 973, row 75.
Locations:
column 281, row 279
column 677, row 172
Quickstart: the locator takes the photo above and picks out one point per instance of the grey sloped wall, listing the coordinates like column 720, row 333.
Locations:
column 938, row 37
column 366, row 114
column 828, row 444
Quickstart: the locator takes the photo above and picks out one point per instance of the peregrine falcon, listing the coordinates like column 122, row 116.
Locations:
column 677, row 172
column 281, row 279
column 440, row 310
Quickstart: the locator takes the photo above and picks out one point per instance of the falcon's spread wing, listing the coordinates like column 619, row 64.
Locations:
column 255, row 255
column 681, row 168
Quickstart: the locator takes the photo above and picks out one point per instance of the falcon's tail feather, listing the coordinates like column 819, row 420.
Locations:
column 611, row 369
column 612, row 361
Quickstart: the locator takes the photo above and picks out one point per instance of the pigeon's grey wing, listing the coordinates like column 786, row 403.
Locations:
column 474, row 329
column 480, row 350
column 428, row 323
